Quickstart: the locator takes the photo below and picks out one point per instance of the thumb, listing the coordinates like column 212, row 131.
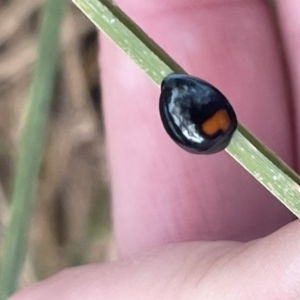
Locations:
column 268, row 268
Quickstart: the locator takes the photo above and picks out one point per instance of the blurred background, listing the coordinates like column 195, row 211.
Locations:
column 71, row 221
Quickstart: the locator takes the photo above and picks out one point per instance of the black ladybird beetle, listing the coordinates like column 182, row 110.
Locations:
column 195, row 114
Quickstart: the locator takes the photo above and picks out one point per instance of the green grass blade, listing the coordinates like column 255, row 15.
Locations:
column 30, row 151
column 129, row 37
column 259, row 161
column 267, row 168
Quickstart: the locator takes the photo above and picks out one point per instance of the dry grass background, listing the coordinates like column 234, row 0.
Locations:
column 71, row 221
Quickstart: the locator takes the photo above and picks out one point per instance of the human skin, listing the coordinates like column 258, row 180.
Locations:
column 187, row 226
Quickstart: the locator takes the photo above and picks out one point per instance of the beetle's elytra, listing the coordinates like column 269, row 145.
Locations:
column 195, row 114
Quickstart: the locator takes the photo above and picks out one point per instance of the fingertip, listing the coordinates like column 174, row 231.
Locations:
column 162, row 194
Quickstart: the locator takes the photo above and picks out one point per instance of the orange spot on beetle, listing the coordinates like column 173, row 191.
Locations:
column 218, row 121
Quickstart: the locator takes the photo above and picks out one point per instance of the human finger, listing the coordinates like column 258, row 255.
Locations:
column 160, row 193
column 289, row 24
column 264, row 269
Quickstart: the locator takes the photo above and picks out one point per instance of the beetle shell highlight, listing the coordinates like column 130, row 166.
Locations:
column 195, row 114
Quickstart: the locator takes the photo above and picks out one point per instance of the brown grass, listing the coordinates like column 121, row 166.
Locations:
column 71, row 221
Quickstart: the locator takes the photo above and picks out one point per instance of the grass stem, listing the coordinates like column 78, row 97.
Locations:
column 30, row 150
column 245, row 148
